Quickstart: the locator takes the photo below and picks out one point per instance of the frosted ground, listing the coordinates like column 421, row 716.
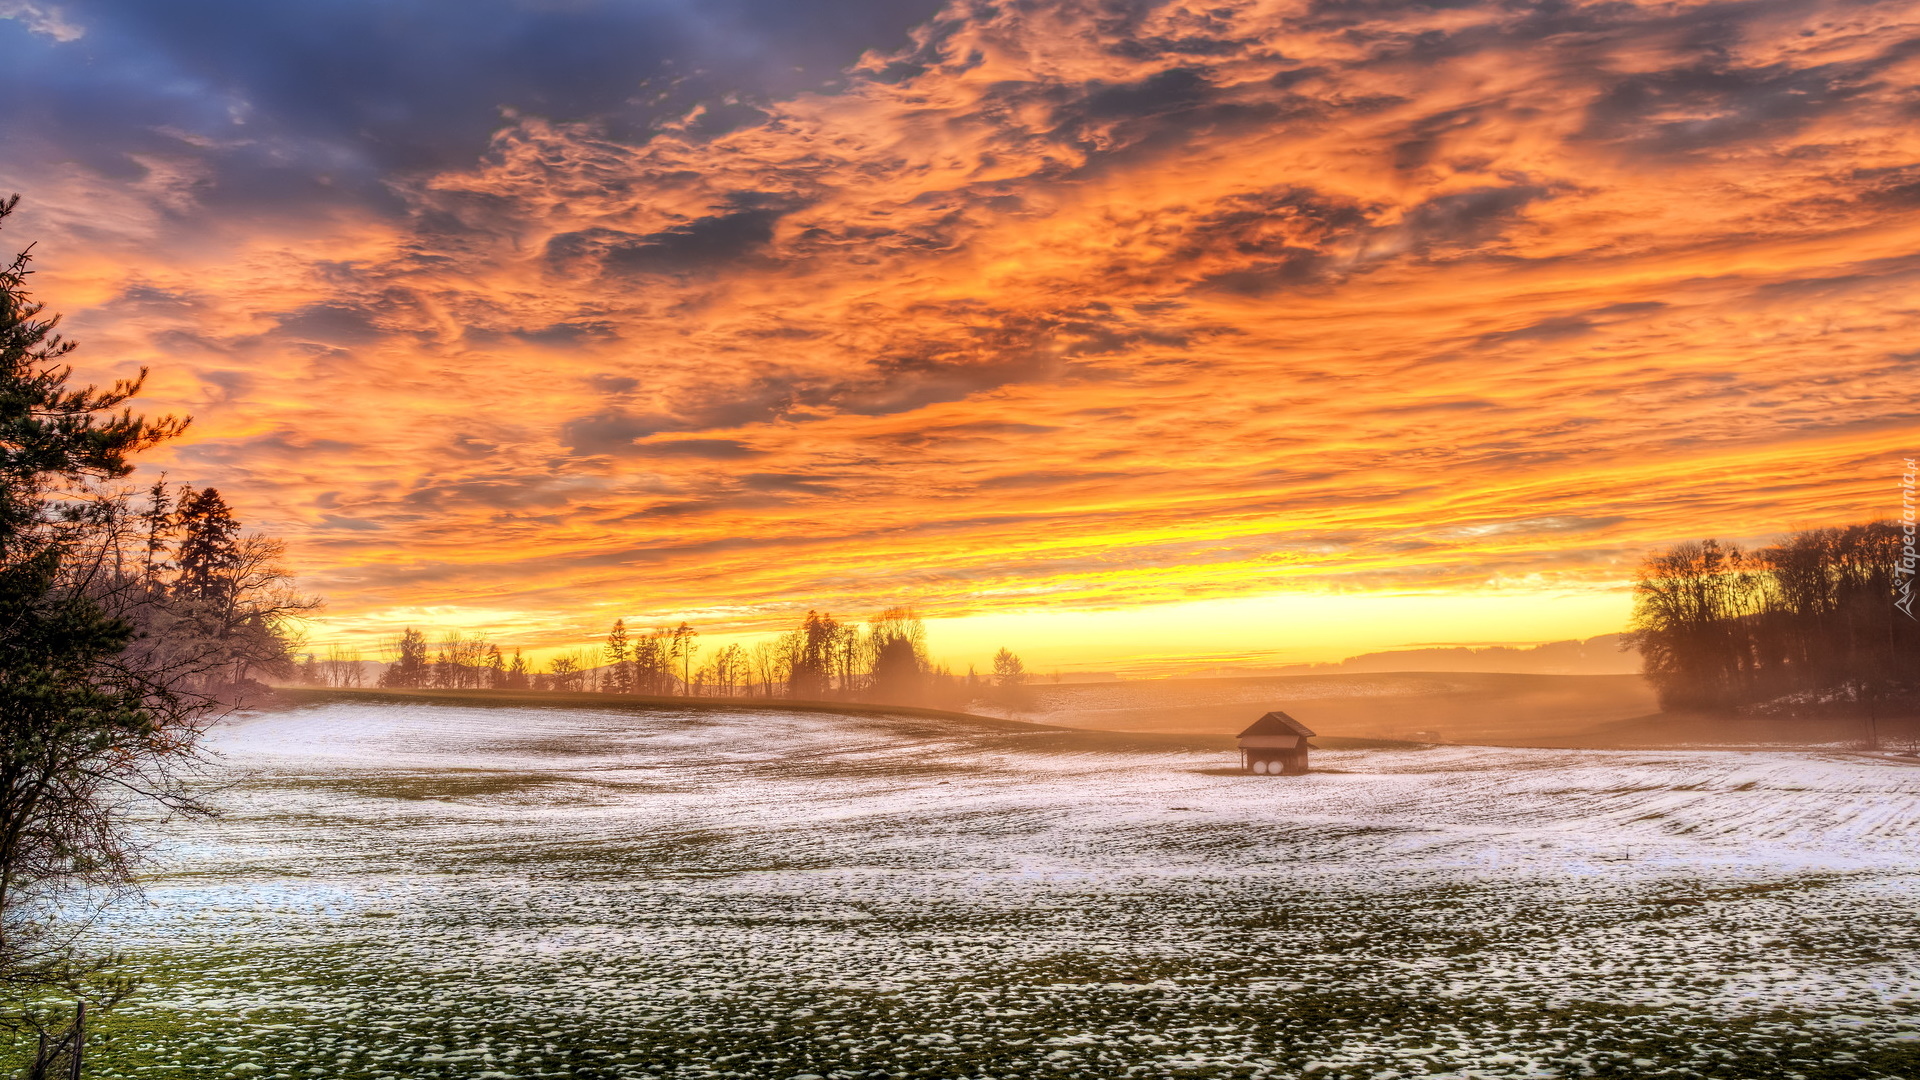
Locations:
column 447, row 891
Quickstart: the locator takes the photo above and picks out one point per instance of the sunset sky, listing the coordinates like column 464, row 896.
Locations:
column 1129, row 335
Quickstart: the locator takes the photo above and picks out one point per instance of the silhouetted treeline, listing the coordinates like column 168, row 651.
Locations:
column 822, row 658
column 456, row 662
column 1808, row 625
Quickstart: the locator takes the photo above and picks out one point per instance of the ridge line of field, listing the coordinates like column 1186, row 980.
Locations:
column 304, row 695
column 1093, row 737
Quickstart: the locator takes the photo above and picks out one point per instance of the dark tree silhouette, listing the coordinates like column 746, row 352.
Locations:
column 517, row 676
column 411, row 667
column 157, row 524
column 1805, row 626
column 812, row 656
column 897, row 644
column 682, row 648
column 209, row 544
column 652, row 664
column 619, row 673
column 1008, row 670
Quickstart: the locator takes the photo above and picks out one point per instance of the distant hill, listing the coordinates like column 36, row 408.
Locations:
column 1595, row 656
column 1422, row 706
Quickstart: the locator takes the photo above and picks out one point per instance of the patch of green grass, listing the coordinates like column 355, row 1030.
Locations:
column 1266, row 980
column 1073, row 1014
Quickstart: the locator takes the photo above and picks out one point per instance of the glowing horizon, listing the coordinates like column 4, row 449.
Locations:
column 1184, row 331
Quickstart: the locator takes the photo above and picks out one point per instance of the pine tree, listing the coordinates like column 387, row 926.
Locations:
column 1008, row 669
column 80, row 730
column 652, row 664
column 619, row 674
column 209, row 548
column 157, row 522
column 411, row 667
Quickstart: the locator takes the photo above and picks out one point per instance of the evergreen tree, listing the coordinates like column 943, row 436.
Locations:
column 411, row 668
column 80, row 730
column 813, row 656
column 566, row 674
column 619, row 675
column 209, row 546
column 1008, row 670
column 157, row 524
column 1011, row 675
column 652, row 664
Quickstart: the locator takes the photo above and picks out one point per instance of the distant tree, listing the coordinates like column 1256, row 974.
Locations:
column 897, row 643
column 565, row 673
column 652, row 664
column 1008, row 671
column 1688, row 602
column 848, row 659
column 811, row 650
column 728, row 670
column 619, row 674
column 496, row 668
column 682, row 648
column 209, row 544
column 462, row 662
column 1010, row 677
column 343, row 666
column 158, row 525
column 440, row 665
column 767, row 667
column 517, row 675
column 217, row 612
column 411, row 667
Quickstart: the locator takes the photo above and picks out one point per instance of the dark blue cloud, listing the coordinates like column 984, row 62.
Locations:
column 327, row 98
column 707, row 243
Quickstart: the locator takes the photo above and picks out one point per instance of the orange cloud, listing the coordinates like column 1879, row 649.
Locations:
column 1074, row 306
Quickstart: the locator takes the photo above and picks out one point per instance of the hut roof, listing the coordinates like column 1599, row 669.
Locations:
column 1276, row 723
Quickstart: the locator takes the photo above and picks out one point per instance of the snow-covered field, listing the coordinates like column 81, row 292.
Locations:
column 450, row 891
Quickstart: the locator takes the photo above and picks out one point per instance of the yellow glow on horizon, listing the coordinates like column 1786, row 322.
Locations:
column 1162, row 639
column 1277, row 629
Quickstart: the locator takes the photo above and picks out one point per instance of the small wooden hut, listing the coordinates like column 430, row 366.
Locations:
column 1276, row 745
